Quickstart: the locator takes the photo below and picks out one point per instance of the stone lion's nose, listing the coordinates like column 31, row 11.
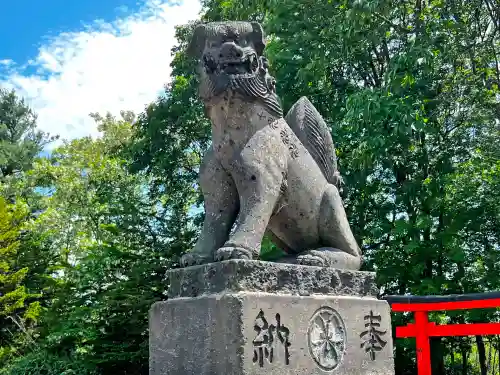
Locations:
column 230, row 51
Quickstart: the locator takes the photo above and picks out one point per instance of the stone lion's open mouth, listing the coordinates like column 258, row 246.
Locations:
column 248, row 65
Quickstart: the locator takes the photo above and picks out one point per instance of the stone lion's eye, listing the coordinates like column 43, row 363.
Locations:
column 243, row 42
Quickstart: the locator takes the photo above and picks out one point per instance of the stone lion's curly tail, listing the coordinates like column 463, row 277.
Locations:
column 312, row 130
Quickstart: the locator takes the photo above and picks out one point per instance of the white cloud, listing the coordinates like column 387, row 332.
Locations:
column 105, row 67
column 6, row 62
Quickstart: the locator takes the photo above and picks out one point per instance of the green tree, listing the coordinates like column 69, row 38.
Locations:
column 16, row 309
column 20, row 141
column 112, row 243
column 411, row 91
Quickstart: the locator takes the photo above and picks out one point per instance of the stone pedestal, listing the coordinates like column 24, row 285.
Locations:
column 254, row 318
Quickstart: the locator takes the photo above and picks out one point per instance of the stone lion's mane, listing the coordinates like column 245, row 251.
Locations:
column 252, row 86
column 258, row 86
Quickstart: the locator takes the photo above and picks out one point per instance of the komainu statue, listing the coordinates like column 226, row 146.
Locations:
column 264, row 174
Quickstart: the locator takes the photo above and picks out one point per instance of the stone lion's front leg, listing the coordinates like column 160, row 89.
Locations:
column 221, row 206
column 259, row 173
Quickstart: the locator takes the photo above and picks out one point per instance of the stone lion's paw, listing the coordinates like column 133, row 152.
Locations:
column 309, row 258
column 193, row 259
column 329, row 257
column 232, row 252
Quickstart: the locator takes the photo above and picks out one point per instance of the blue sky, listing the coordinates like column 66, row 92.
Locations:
column 90, row 56
column 51, row 17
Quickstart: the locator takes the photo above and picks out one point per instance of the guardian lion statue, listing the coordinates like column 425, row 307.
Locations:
column 264, row 174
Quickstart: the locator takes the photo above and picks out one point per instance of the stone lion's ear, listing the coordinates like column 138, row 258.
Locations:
column 197, row 44
column 258, row 38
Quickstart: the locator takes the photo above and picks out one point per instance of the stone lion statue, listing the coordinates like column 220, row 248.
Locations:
column 264, row 173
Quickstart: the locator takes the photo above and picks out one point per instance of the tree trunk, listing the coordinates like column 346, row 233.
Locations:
column 464, row 361
column 437, row 356
column 490, row 351
column 481, row 350
column 494, row 363
column 498, row 352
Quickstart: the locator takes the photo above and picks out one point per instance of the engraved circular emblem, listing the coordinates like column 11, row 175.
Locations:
column 326, row 337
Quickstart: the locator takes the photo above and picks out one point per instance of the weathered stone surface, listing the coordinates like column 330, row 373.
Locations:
column 264, row 173
column 255, row 276
column 253, row 318
column 255, row 333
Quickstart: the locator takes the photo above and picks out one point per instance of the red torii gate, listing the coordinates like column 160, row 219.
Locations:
column 422, row 329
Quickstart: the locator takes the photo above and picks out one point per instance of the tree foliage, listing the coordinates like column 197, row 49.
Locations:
column 109, row 244
column 20, row 141
column 17, row 307
column 411, row 91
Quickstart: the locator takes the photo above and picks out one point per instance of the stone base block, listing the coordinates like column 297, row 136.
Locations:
column 257, row 332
